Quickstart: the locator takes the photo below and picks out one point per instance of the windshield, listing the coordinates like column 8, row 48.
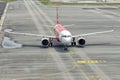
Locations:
column 66, row 35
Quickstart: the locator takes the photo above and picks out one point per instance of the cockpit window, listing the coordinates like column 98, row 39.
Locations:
column 66, row 35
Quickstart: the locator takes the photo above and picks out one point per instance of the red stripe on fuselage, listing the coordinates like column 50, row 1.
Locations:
column 58, row 29
column 57, row 35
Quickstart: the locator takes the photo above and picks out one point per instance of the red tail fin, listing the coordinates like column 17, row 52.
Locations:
column 57, row 15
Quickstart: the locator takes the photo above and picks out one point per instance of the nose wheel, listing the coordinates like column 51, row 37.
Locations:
column 65, row 48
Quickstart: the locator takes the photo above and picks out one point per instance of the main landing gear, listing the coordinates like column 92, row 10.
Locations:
column 50, row 42
column 73, row 43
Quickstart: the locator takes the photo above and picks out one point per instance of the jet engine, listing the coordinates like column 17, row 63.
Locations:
column 45, row 42
column 81, row 41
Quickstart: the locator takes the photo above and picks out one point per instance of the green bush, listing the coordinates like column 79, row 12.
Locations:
column 7, row 0
column 45, row 1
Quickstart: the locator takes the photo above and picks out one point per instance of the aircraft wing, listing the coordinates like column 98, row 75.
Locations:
column 88, row 34
column 29, row 34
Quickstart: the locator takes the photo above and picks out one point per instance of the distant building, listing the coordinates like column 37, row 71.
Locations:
column 113, row 0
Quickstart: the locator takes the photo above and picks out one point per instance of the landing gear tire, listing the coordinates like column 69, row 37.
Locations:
column 73, row 43
column 65, row 48
column 51, row 44
column 50, row 40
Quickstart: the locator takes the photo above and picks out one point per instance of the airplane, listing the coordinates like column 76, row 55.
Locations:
column 62, row 35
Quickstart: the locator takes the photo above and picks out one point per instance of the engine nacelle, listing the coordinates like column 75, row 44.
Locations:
column 45, row 42
column 81, row 41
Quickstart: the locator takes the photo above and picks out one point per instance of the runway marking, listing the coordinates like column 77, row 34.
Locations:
column 80, row 69
column 45, row 17
column 90, row 61
column 93, row 67
column 94, row 77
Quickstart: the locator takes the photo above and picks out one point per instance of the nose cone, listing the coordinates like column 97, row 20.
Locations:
column 67, row 40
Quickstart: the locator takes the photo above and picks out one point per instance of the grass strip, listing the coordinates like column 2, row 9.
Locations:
column 7, row 0
column 48, row 2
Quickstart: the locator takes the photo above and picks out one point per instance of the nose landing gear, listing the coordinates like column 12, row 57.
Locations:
column 65, row 48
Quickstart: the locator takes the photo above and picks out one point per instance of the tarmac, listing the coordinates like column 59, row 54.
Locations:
column 2, row 6
column 98, row 60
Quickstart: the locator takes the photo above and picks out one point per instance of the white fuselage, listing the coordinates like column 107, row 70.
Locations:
column 65, row 37
column 62, row 35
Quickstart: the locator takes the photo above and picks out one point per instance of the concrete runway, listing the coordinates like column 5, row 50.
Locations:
column 99, row 60
column 2, row 17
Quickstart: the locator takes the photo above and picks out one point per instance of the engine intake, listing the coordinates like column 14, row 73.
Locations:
column 45, row 42
column 81, row 41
